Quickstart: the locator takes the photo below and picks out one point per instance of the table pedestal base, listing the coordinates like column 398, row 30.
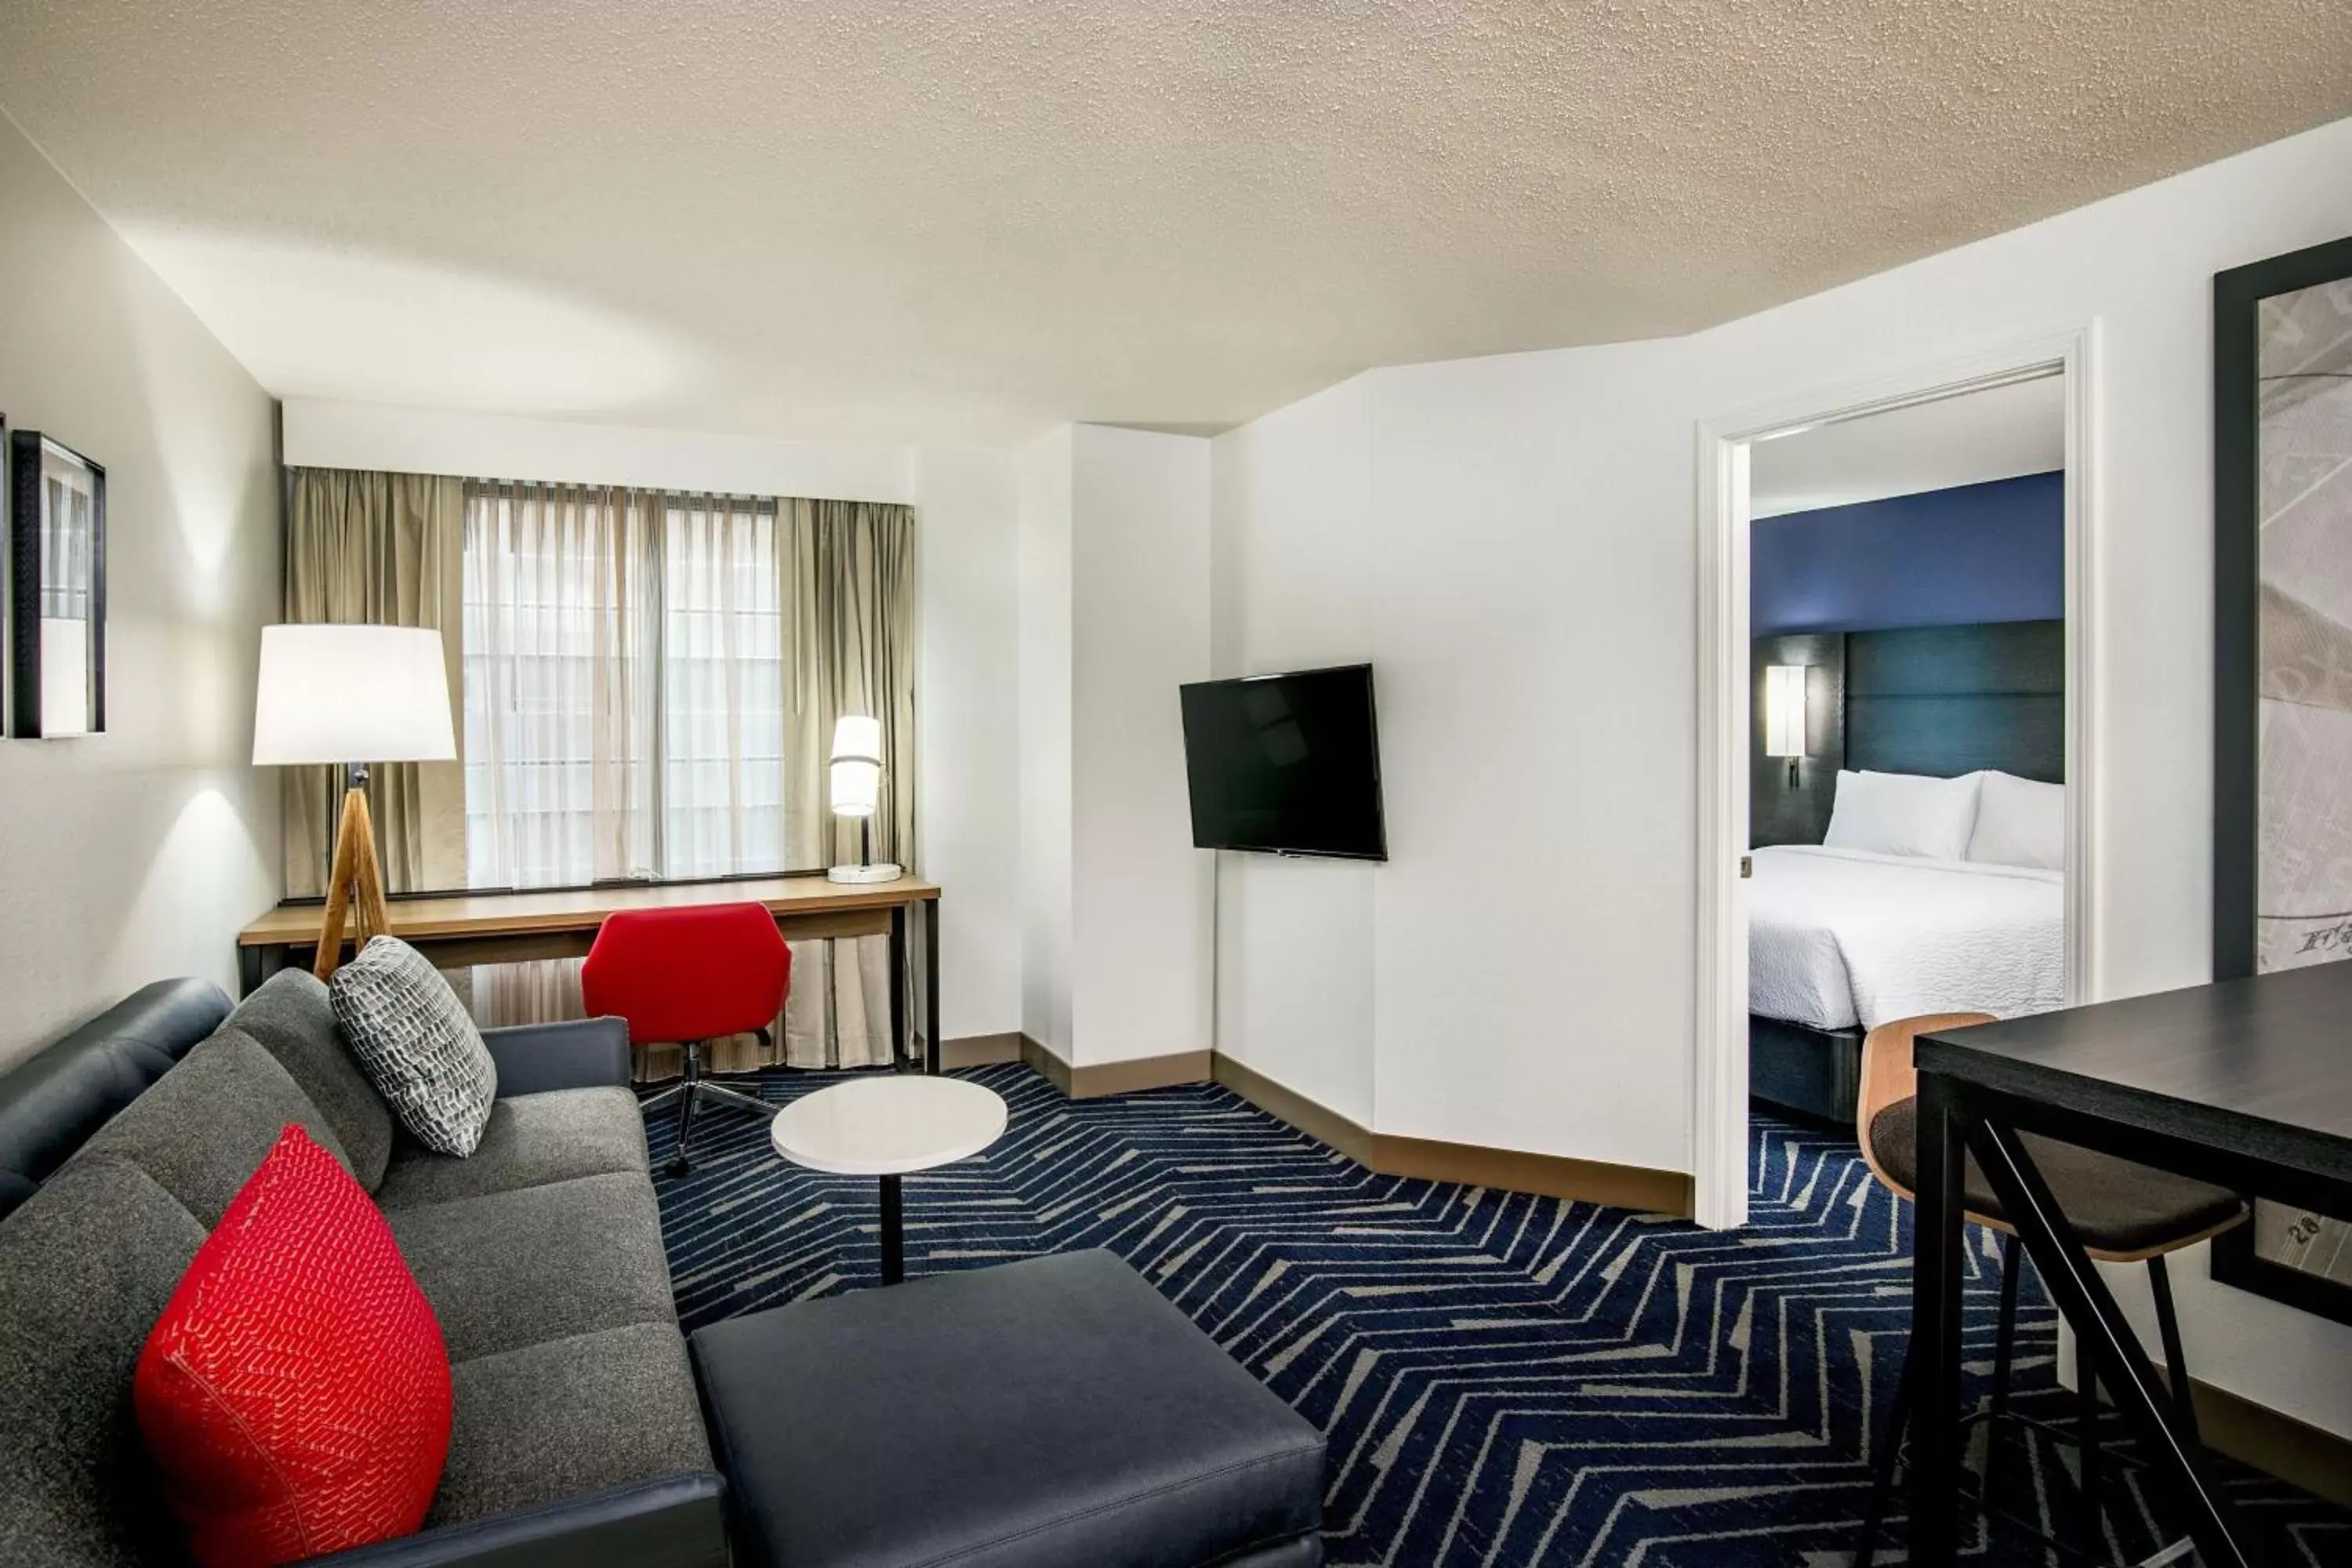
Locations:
column 894, row 1232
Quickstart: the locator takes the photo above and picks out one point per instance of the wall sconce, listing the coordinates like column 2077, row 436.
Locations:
column 1784, row 714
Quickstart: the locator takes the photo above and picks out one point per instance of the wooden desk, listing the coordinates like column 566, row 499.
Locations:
column 458, row 929
column 2244, row 1084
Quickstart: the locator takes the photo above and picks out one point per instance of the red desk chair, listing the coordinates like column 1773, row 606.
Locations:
column 689, row 976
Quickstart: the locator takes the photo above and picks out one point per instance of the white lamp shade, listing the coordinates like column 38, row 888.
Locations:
column 857, row 765
column 857, row 788
column 352, row 694
column 1784, row 710
column 856, row 736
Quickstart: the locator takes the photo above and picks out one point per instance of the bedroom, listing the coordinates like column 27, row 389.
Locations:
column 1907, row 823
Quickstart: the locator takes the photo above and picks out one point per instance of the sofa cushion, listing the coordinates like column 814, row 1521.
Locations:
column 86, row 1266
column 417, row 1044
column 291, row 1017
column 530, row 1140
column 295, row 1392
column 1056, row 1413
column 510, row 1269
column 208, row 1123
column 553, row 1420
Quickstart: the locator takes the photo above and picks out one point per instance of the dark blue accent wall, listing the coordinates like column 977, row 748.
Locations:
column 1994, row 551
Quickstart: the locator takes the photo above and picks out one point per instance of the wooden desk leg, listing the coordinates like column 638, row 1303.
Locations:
column 2111, row 1348
column 900, row 1057
column 931, row 986
column 1937, row 1237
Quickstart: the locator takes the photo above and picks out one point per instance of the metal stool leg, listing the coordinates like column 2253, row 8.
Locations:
column 1882, row 1475
column 2004, row 1353
column 2176, row 1364
column 691, row 1053
column 2086, row 1424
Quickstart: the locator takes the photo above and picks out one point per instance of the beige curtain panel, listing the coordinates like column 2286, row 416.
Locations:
column 384, row 550
column 848, row 583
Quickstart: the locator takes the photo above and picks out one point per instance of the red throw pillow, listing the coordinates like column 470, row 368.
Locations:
column 296, row 1392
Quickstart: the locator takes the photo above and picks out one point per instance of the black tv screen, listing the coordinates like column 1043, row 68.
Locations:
column 1285, row 763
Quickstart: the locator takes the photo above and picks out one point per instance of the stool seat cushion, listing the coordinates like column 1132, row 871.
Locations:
column 1056, row 1413
column 2113, row 1205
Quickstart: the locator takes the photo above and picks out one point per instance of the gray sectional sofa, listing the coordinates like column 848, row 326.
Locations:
column 578, row 1437
column 1053, row 1413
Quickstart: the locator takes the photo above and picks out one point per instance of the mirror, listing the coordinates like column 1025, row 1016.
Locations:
column 56, row 558
column 2282, row 713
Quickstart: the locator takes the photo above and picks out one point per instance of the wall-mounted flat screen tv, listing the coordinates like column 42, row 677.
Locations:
column 1289, row 764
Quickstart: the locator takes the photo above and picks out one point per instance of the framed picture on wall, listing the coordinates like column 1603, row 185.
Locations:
column 2282, row 682
column 56, row 589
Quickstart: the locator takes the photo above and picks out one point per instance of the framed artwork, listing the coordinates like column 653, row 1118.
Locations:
column 56, row 589
column 2282, row 682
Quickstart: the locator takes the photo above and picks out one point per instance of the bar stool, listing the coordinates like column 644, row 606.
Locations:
column 2123, row 1212
column 689, row 976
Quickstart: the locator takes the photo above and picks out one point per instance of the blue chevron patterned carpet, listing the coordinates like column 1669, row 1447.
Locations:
column 1504, row 1380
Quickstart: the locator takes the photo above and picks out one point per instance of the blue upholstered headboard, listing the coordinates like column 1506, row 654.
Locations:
column 1950, row 699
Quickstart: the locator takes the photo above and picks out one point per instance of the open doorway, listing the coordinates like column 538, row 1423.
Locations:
column 1895, row 752
column 1907, row 683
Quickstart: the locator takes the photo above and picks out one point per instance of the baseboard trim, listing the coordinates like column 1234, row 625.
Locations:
column 1046, row 1065
column 980, row 1051
column 1096, row 1080
column 1549, row 1175
column 2297, row 1452
column 1509, row 1170
column 1283, row 1103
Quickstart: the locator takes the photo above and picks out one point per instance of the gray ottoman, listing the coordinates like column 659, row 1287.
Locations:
column 1056, row 1413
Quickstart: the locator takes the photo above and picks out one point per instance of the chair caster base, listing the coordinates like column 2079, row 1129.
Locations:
column 678, row 1165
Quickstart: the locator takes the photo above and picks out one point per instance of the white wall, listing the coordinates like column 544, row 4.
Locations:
column 1532, row 610
column 968, row 607
column 967, row 709
column 1045, row 742
column 1294, row 570
column 1114, row 617
column 1138, row 629
column 135, row 855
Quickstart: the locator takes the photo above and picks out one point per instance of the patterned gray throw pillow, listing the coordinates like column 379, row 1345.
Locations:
column 413, row 1039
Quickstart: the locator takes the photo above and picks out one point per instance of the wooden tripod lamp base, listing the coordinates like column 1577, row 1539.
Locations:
column 355, row 888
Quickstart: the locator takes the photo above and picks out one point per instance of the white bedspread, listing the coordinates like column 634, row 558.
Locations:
column 1842, row 937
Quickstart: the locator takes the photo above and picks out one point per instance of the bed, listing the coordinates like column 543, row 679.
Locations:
column 1843, row 936
column 1846, row 939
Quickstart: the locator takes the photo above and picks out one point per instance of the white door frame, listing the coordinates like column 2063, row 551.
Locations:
column 1719, row 1081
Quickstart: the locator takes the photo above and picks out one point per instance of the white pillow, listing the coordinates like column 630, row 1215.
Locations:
column 1903, row 814
column 2019, row 823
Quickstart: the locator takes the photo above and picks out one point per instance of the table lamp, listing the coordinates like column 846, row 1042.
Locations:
column 856, row 790
column 351, row 695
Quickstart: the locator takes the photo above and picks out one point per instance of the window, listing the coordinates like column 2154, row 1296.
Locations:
column 721, row 801
column 624, row 685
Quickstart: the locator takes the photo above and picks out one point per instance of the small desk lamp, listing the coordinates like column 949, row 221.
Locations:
column 334, row 694
column 856, row 789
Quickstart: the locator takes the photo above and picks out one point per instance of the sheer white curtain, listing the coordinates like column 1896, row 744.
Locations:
column 625, row 710
column 561, row 652
column 722, row 743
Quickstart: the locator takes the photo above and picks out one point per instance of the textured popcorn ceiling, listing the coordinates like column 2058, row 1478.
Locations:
column 967, row 219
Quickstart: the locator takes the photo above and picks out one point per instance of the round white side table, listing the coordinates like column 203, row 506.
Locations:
column 887, row 1126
